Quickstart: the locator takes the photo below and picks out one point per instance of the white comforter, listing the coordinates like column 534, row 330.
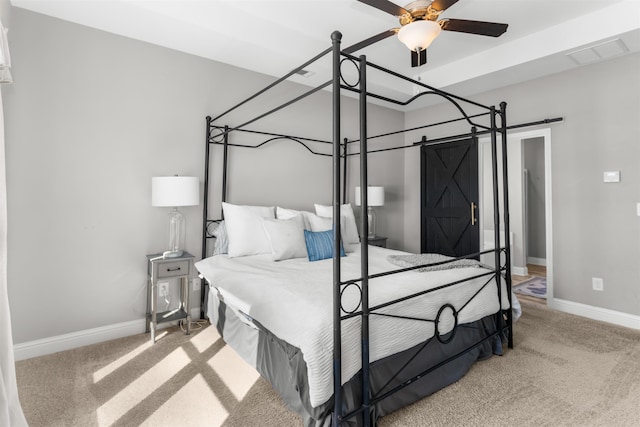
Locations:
column 294, row 298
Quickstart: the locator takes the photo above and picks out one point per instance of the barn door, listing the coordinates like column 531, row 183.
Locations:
column 449, row 198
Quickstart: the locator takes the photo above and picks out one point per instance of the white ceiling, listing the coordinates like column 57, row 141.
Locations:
column 275, row 36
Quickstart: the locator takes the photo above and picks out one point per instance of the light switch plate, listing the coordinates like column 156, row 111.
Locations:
column 612, row 176
column 638, row 208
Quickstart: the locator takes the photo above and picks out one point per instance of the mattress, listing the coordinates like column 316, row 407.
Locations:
column 293, row 299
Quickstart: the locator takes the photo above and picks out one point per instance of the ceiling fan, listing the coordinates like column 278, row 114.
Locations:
column 420, row 26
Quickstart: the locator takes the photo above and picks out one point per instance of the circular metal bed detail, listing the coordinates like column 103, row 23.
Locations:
column 347, row 286
column 454, row 313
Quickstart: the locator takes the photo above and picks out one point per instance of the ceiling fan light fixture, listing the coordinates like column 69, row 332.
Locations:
column 418, row 35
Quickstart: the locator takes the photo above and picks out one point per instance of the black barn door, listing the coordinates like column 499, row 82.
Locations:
column 449, row 198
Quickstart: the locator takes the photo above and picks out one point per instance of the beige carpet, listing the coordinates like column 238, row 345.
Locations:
column 564, row 371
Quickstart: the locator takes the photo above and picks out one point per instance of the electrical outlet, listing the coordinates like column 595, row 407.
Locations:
column 598, row 284
column 163, row 288
column 196, row 284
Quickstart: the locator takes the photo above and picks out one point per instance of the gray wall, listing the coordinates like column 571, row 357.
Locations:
column 90, row 118
column 596, row 232
column 535, row 203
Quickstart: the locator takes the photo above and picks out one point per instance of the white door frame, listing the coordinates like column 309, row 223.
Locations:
column 519, row 136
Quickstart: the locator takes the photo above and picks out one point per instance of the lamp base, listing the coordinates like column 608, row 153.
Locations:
column 371, row 222
column 172, row 254
column 177, row 230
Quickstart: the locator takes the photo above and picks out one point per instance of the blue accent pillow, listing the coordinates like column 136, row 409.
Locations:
column 320, row 245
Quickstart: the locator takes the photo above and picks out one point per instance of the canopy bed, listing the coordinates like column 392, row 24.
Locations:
column 344, row 331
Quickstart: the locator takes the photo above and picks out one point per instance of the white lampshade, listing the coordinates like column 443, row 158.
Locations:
column 418, row 35
column 175, row 191
column 375, row 196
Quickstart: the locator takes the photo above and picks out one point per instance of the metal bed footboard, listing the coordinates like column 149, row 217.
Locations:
column 369, row 397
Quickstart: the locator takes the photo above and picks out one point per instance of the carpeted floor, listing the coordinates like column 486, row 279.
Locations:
column 564, row 371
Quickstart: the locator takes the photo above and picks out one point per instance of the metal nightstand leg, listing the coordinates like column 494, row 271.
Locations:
column 185, row 303
column 153, row 323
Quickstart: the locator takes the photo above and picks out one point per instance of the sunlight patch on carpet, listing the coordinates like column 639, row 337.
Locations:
column 237, row 374
column 141, row 387
column 195, row 404
column 205, row 339
column 118, row 363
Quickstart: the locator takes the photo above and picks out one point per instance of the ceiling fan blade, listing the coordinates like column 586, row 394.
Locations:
column 474, row 27
column 386, row 6
column 371, row 40
column 441, row 5
column 418, row 58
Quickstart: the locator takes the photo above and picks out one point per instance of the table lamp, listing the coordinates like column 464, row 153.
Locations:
column 175, row 191
column 375, row 197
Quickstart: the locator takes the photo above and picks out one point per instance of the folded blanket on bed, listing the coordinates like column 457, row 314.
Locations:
column 414, row 260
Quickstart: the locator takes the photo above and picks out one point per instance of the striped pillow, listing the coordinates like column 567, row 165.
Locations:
column 320, row 245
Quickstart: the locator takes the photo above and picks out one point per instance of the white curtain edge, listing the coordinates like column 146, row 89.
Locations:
column 11, row 413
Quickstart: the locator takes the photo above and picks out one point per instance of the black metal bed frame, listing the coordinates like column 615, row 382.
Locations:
column 219, row 135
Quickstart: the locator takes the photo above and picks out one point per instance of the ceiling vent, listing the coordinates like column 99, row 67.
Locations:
column 598, row 52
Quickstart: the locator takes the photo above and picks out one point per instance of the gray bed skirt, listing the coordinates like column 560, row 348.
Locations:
column 284, row 367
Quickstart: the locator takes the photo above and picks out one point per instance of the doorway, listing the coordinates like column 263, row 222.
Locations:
column 534, row 201
column 523, row 256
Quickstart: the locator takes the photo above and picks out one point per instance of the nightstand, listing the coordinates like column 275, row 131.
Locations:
column 158, row 268
column 378, row 241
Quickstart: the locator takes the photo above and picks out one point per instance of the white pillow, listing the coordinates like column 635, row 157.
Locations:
column 245, row 230
column 347, row 221
column 320, row 223
column 286, row 237
column 283, row 213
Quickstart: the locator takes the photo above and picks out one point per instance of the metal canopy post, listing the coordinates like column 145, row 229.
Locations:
column 225, row 162
column 345, row 160
column 505, row 192
column 496, row 212
column 364, row 258
column 205, row 211
column 336, row 37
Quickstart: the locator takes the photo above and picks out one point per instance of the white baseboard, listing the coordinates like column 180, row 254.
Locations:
column 72, row 340
column 519, row 271
column 537, row 261
column 596, row 313
column 58, row 343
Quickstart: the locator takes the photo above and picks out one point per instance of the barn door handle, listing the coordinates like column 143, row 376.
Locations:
column 473, row 213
